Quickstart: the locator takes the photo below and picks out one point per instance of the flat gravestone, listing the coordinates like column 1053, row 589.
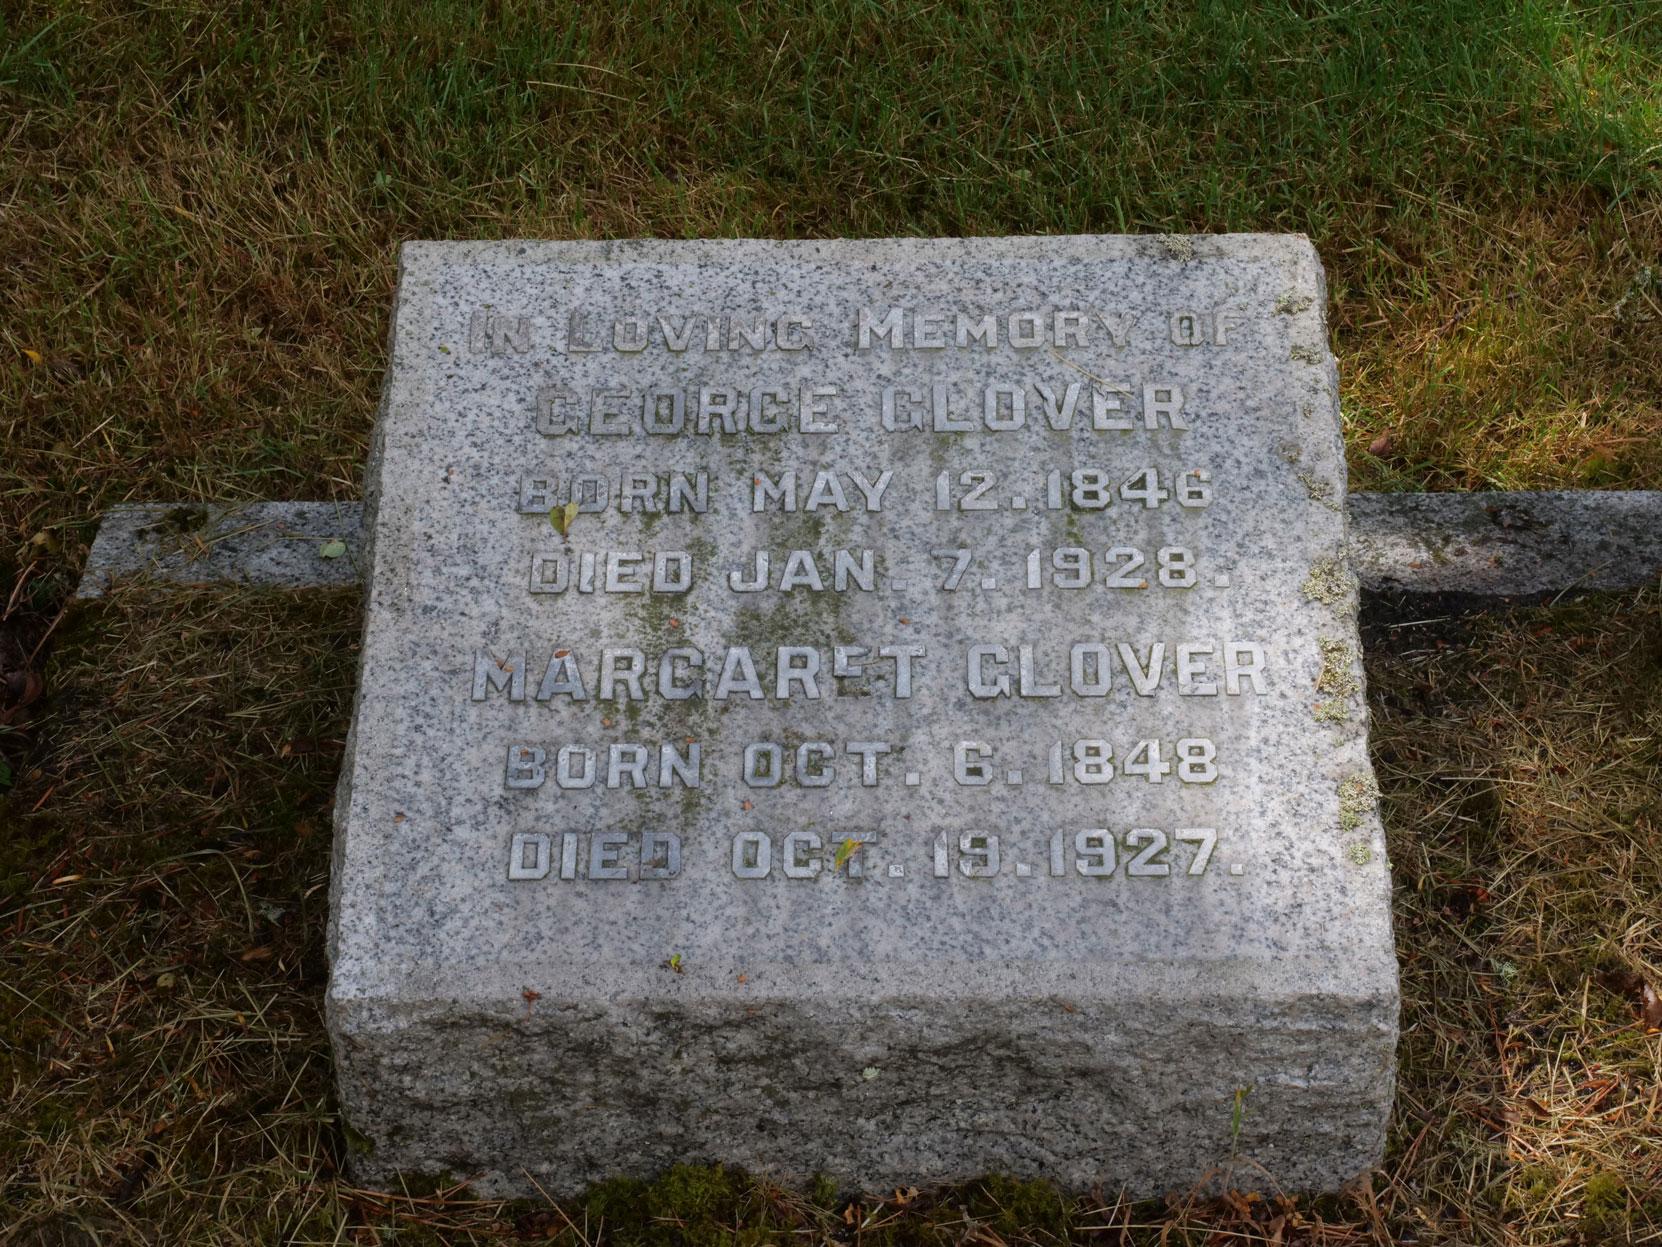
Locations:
column 889, row 710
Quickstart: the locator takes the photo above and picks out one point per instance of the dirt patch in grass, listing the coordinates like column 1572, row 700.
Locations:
column 164, row 859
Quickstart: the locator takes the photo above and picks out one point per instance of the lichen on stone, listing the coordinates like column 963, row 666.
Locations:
column 1292, row 302
column 1319, row 490
column 1338, row 671
column 1178, row 247
column 1330, row 582
column 1303, row 355
column 1357, row 794
column 1359, row 853
column 1314, row 485
column 1330, row 711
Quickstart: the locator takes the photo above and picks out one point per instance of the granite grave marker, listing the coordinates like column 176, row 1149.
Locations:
column 882, row 709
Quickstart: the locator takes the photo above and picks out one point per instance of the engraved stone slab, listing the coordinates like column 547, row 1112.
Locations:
column 882, row 709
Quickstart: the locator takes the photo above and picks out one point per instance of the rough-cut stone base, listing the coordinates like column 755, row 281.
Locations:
column 1128, row 1078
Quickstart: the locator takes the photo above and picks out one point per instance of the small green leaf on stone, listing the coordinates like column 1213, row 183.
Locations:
column 561, row 517
column 846, row 850
column 332, row 549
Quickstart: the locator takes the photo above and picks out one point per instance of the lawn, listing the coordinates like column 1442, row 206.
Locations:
column 199, row 210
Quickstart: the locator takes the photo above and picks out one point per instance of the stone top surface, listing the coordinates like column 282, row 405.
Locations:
column 298, row 545
column 934, row 617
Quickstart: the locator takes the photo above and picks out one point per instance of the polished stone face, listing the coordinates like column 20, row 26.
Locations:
column 884, row 709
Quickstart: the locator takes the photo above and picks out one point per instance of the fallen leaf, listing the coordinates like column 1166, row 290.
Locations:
column 561, row 517
column 18, row 691
column 332, row 549
column 132, row 1182
column 846, row 850
column 1381, row 446
column 35, row 357
column 743, row 977
column 1640, row 990
column 744, row 805
column 674, row 963
column 66, row 879
column 262, row 953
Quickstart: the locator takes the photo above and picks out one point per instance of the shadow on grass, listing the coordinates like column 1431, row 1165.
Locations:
column 164, row 859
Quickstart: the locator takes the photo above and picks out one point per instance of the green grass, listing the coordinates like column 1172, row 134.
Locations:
column 202, row 204
column 199, row 209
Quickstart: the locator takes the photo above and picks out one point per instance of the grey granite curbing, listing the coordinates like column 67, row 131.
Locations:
column 279, row 545
column 1511, row 544
column 1480, row 545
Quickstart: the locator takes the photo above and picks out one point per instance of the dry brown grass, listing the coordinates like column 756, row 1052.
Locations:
column 1520, row 757
column 199, row 209
column 166, row 861
column 166, row 857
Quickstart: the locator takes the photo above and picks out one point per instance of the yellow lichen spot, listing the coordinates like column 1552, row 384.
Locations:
column 1337, row 677
column 1330, row 582
column 1357, row 794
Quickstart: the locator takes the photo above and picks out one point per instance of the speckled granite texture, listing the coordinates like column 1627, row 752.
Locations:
column 1507, row 544
column 821, row 961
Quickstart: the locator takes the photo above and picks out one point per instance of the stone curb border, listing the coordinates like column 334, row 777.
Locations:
column 1478, row 545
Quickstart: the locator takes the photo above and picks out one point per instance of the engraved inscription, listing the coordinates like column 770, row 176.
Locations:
column 828, row 552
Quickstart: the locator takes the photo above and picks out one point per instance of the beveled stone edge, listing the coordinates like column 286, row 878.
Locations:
column 1487, row 546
